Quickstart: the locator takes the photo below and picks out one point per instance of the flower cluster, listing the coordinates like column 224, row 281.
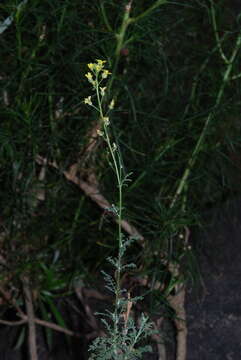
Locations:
column 96, row 76
column 97, row 69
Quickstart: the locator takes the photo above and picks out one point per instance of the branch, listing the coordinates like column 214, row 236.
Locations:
column 42, row 323
column 91, row 190
column 13, row 323
column 56, row 327
column 31, row 323
column 157, row 337
column 25, row 318
column 177, row 302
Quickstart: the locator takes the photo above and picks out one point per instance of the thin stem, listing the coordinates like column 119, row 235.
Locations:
column 106, row 21
column 196, row 77
column 120, row 37
column 116, row 168
column 150, row 9
column 234, row 77
column 214, row 22
column 193, row 158
column 118, row 173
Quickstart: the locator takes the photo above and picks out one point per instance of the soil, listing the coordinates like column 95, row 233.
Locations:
column 214, row 312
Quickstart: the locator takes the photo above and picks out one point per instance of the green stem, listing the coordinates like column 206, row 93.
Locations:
column 120, row 38
column 149, row 10
column 118, row 172
column 197, row 149
column 214, row 22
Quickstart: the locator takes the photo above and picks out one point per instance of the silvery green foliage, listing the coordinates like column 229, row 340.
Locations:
column 125, row 345
column 123, row 337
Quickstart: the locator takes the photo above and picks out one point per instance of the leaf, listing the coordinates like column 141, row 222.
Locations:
column 20, row 339
column 47, row 330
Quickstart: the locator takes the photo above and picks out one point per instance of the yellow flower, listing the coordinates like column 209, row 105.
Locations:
column 100, row 133
column 90, row 77
column 112, row 104
column 102, row 90
column 91, row 66
column 88, row 100
column 101, row 62
column 98, row 67
column 105, row 73
column 106, row 120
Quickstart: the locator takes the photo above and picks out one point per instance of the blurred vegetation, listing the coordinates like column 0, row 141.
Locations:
column 174, row 70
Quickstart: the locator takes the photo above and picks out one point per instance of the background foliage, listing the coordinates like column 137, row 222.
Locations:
column 166, row 79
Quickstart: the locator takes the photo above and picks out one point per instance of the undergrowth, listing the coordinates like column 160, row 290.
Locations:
column 175, row 80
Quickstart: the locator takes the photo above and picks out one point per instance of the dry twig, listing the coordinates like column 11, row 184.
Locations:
column 91, row 190
column 24, row 318
column 177, row 303
column 31, row 323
